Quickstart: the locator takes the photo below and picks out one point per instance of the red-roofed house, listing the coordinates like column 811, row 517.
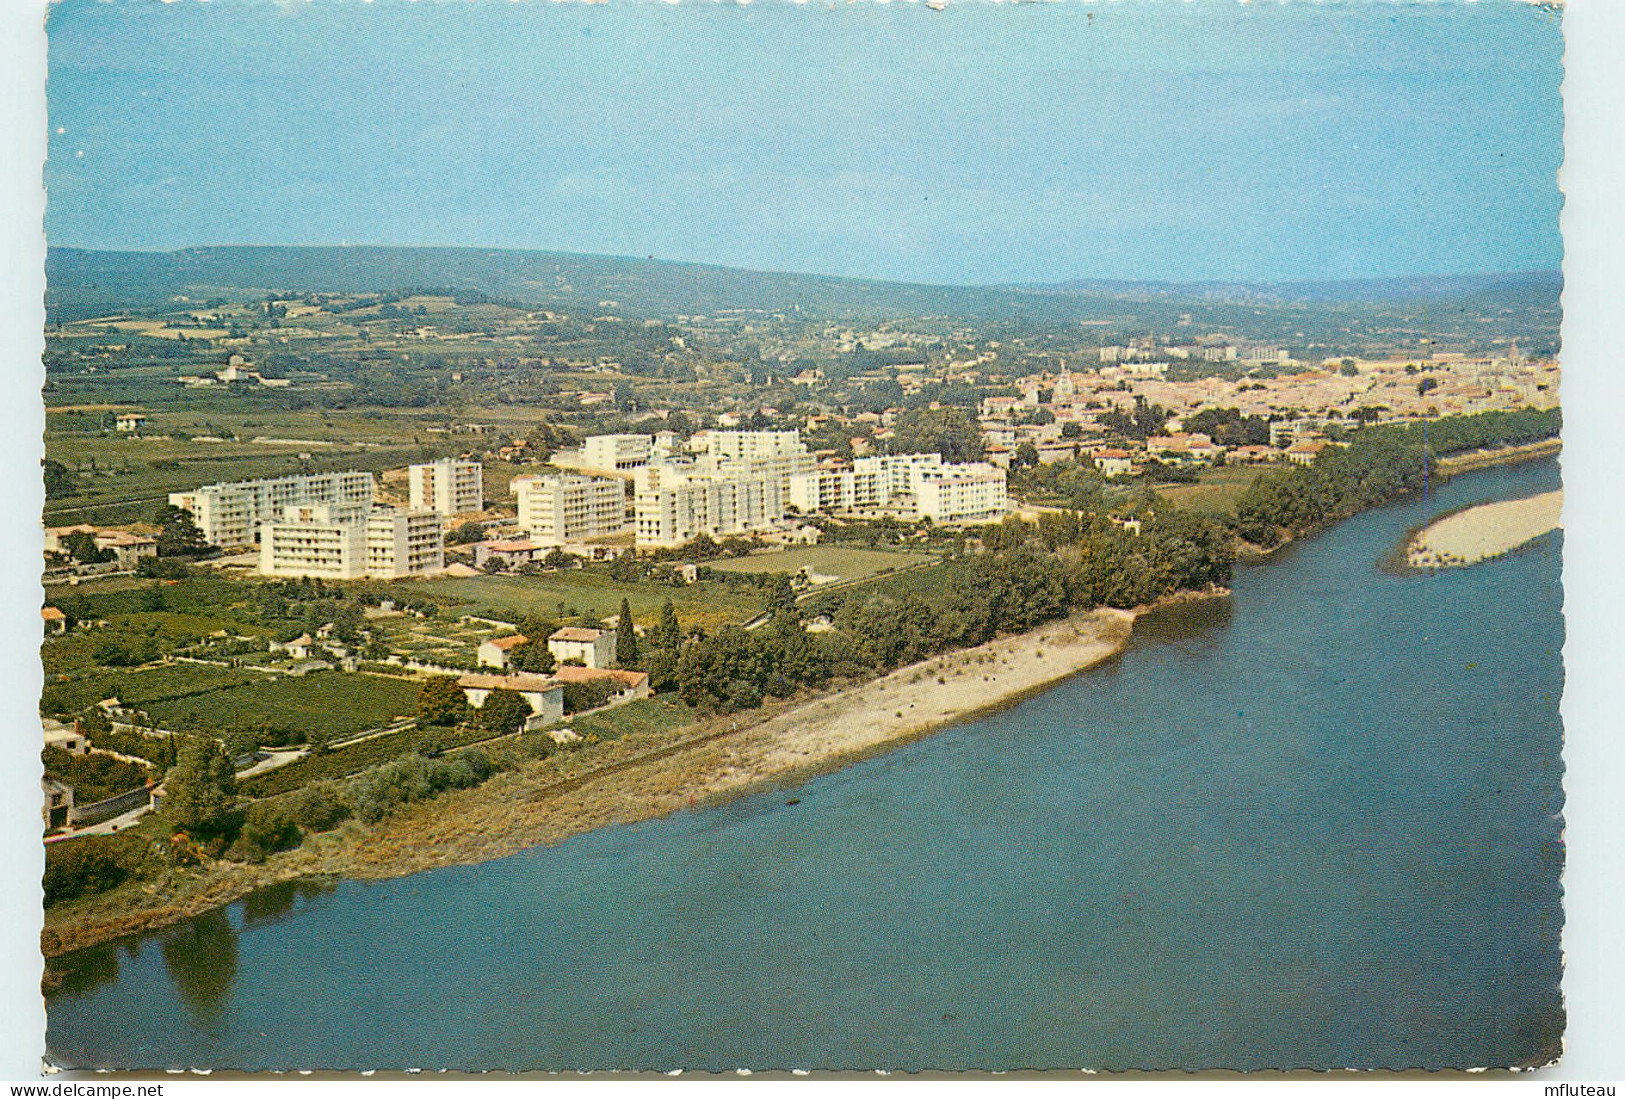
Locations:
column 1113, row 463
column 1253, row 453
column 544, row 696
column 510, row 552
column 498, row 651
column 631, row 684
column 593, row 648
column 1305, row 452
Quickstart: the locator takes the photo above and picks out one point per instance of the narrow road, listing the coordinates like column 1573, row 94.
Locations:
column 273, row 761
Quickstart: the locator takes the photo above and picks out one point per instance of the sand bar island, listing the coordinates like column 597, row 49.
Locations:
column 1479, row 533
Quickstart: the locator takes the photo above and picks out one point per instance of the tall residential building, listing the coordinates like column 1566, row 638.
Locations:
column 750, row 446
column 230, row 514
column 560, row 508
column 775, row 456
column 969, row 493
column 675, row 504
column 824, row 490
column 621, row 453
column 921, row 484
column 339, row 544
column 879, row 481
column 404, row 542
column 451, row 486
column 884, row 477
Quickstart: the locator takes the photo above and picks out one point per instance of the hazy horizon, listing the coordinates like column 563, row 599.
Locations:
column 1528, row 273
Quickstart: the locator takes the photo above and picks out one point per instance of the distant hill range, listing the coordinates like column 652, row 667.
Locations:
column 83, row 283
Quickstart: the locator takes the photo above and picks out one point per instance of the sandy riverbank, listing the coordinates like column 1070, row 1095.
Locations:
column 1470, row 460
column 1479, row 533
column 638, row 778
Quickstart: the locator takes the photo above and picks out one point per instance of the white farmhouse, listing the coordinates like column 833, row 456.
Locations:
column 593, row 648
column 544, row 697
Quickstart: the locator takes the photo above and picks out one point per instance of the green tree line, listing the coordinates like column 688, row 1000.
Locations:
column 1029, row 574
column 1380, row 463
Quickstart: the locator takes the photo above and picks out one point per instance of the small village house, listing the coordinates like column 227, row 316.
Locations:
column 1113, row 463
column 589, row 647
column 629, row 685
column 67, row 737
column 543, row 695
column 497, row 652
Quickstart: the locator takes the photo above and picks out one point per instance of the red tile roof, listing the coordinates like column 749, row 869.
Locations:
column 576, row 633
column 479, row 681
column 569, row 673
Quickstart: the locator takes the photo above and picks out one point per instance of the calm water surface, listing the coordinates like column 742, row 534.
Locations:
column 1315, row 826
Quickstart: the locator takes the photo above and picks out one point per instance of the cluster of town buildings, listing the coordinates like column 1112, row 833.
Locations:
column 327, row 525
column 583, row 655
column 736, row 483
column 658, row 490
column 332, row 526
column 722, row 483
column 1060, row 414
column 237, row 371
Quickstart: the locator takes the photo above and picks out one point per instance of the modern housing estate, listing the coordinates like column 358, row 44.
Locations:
column 626, row 452
column 918, row 485
column 348, row 543
column 774, row 456
column 230, row 514
column 557, row 509
column 451, row 486
column 970, row 493
column 730, row 482
column 674, row 504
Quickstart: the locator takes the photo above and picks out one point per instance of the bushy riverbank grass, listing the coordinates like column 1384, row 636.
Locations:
column 351, row 758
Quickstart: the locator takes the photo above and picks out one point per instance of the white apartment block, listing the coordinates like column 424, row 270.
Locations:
column 676, row 504
column 753, row 446
column 558, row 509
column 920, row 483
column 969, row 493
column 1265, row 356
column 824, row 490
column 776, row 456
column 451, row 486
column 884, row 477
column 878, row 481
column 320, row 540
column 620, row 453
column 404, row 542
column 230, row 514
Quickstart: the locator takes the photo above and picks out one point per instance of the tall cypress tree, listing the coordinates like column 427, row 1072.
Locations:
column 670, row 634
column 626, row 637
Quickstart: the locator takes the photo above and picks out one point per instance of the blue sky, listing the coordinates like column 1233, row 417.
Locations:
column 1138, row 139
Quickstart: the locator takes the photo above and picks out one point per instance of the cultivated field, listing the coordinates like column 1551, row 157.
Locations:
column 840, row 562
column 571, row 593
column 294, row 708
column 1217, row 491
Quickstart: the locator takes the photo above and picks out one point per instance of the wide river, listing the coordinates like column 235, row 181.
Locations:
column 1317, row 825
